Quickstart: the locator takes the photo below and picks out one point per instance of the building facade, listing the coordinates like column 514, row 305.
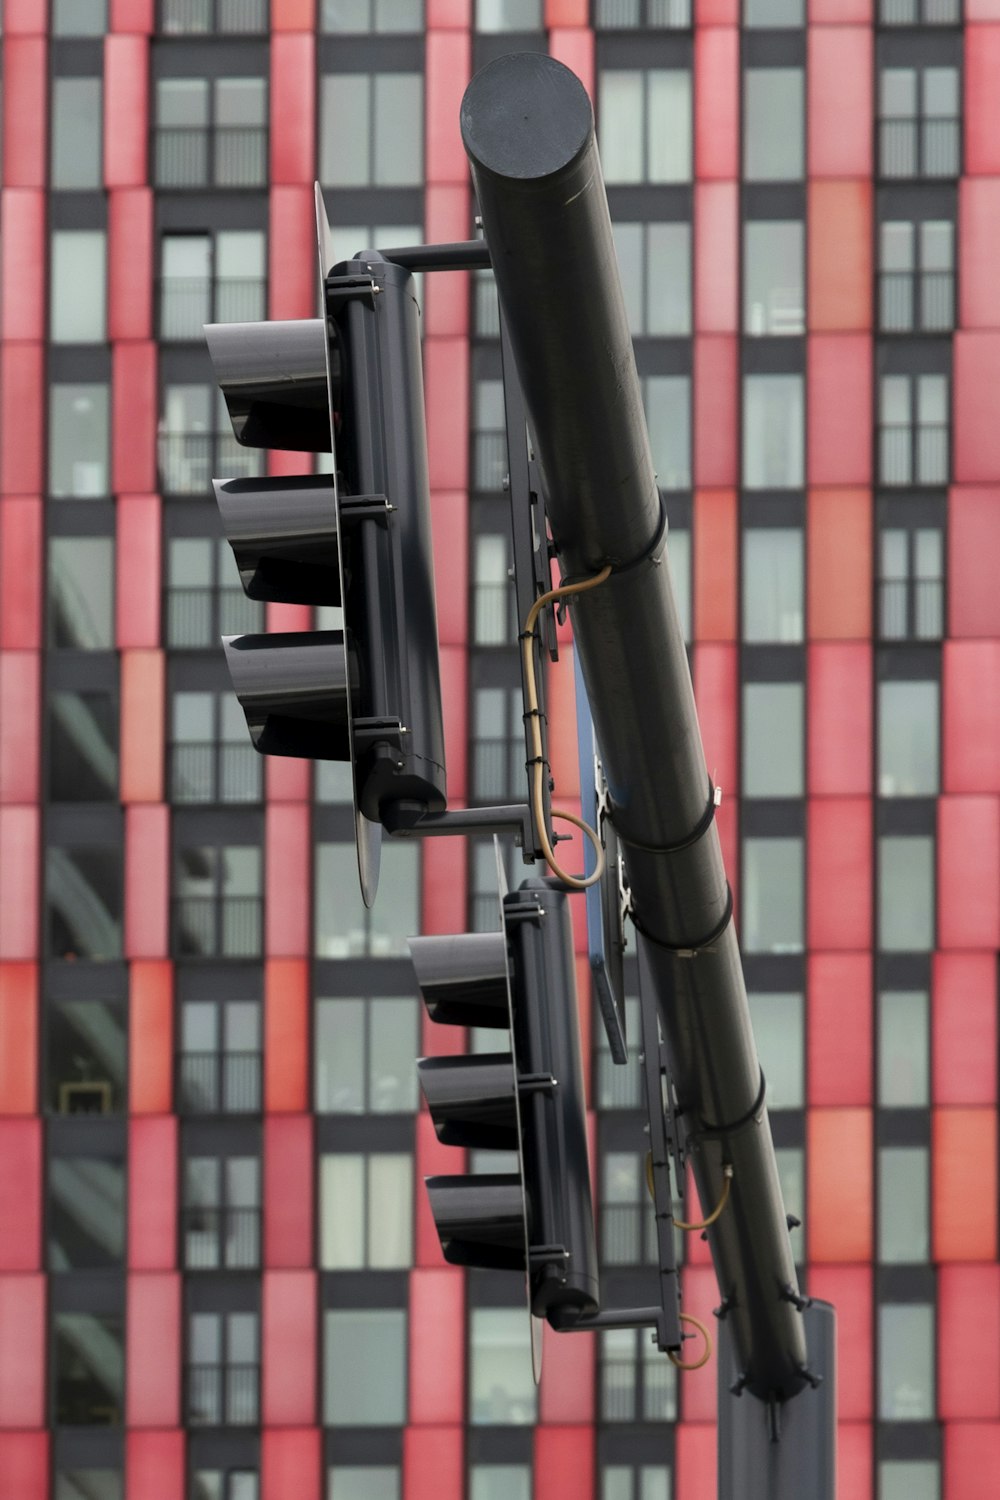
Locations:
column 219, row 1279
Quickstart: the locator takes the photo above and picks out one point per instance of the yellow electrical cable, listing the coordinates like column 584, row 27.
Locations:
column 693, row 1364
column 578, row 882
column 727, row 1173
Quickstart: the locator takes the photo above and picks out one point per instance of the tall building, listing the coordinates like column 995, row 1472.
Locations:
column 219, row 1279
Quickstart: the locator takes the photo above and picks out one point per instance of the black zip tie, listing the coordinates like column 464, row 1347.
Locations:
column 702, row 826
column 717, row 1132
column 649, row 555
column 532, row 713
column 690, row 950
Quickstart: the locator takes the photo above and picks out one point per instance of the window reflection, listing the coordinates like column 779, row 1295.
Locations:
column 89, row 1367
column 78, row 441
column 906, row 1362
column 83, row 747
column 364, row 1056
column 344, row 926
column 502, row 1388
column 81, row 592
column 86, row 1052
column 86, row 1210
column 772, row 584
column 366, row 1210
column 364, row 1367
column 906, row 894
column 772, row 905
column 84, row 897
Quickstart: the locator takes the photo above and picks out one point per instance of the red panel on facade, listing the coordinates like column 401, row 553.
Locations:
column 154, row 1464
column 147, row 880
column 455, row 703
column 288, row 1348
column 18, row 1039
column 716, row 257
column 20, row 1194
column 716, row 565
column 574, row 46
column 288, row 1192
column 699, row 1397
column 444, row 863
column 446, row 389
column 293, row 108
column 716, row 678
column 450, row 535
column 971, row 1450
column 126, row 113
column 839, row 1197
column 286, row 1035
column 695, row 1460
column 447, row 208
column 20, row 688
column 839, row 418
column 22, row 303
column 970, row 750
column 21, row 574
column 978, row 227
column 968, row 864
column 21, row 407
column 134, row 415
column 564, row 1466
column 25, row 113
column 557, row 12
column 716, row 102
column 839, row 741
column 566, row 1394
column 839, row 1033
column 25, row 17
column 849, row 1288
column 982, row 68
column 964, row 1177
column 839, row 92
column 292, row 253
column 153, row 1350
column 968, row 1330
column 446, row 298
column 437, row 1346
column 22, row 1353
column 130, row 263
column 840, row 12
column 143, row 687
column 977, row 433
column 964, row 1036
column 448, row 68
column 430, row 1160
column 716, row 382
column 839, row 563
column 24, row 1456
column 287, row 780
column 854, row 1459
column 137, row 571
column 152, row 1193
column 290, row 1464
column 840, row 256
column 973, row 544
column 839, row 873
column 433, row 1465
column 293, row 15
column 19, row 895
column 564, row 758
column 151, row 1036
column 287, row 880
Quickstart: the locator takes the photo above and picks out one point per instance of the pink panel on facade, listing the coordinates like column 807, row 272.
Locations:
column 564, row 759
column 143, row 688
column 840, row 12
column 24, row 1460
column 293, row 108
column 25, row 115
column 839, row 735
column 286, row 1035
column 447, row 210
column 716, row 565
column 574, row 46
column 446, row 389
column 854, row 1459
column 455, row 702
column 25, row 17
column 444, row 884
column 147, row 880
column 152, row 1193
column 971, row 1450
column 716, row 669
column 839, row 91
column 151, row 1036
column 564, row 1466
column 137, row 571
column 431, row 1159
column 21, row 407
column 293, row 15
column 20, row 1194
column 448, row 69
column 557, row 12
column 18, row 1039
column 968, row 1332
column 22, row 303
column 839, row 1199
column 130, row 263
column 716, row 257
column 716, row 102
column 839, row 418
column 19, row 870
column 154, row 1464
column 839, row 1033
column 21, row 574
column 695, row 1461
column 964, row 1034
column 964, row 1184
column 567, row 1390
column 288, row 1192
column 287, row 871
column 978, row 227
column 716, row 382
column 699, row 1398
column 133, row 420
column 286, row 779
column 839, row 873
column 153, row 1350
column 840, row 255
column 446, row 297
column 126, row 112
column 291, row 248
column 973, row 544
column 982, row 68
column 290, row 1464
column 849, row 1288
column 22, row 1352
column 288, row 1348
column 450, row 535
column 433, row 1464
column 968, row 871
column 977, row 433
column 970, row 747
column 20, row 688
column 437, row 1346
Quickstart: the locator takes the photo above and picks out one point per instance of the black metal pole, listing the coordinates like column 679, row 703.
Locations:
column 527, row 125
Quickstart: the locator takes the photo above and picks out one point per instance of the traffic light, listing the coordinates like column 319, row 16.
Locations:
column 348, row 383
column 529, row 1099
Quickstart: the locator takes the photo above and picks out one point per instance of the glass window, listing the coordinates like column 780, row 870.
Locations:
column 667, row 399
column 371, row 130
column 772, row 907
column 76, row 133
column 86, row 1213
column 777, row 14
column 772, row 739
column 772, row 584
column 655, row 265
column 344, row 926
column 628, row 1227
column 494, row 603
column 79, row 17
column 364, row 1367
column 773, row 431
column 371, row 15
column 508, row 15
column 618, row 1482
column 908, row 739
column 619, row 1087
column 366, row 1210
column 81, row 593
column 772, row 124
column 77, row 286
column 85, row 1056
column 223, row 1371
column 644, row 125
column 89, row 1365
column 679, row 562
column 792, row 1179
column 217, row 900
column 500, row 1482
column 83, row 747
column 78, row 1483
column 773, row 259
column 778, row 1030
column 219, row 1067
column 903, row 1049
column 909, row 1479
column 225, row 1484
column 370, row 1482
column 78, row 441
column 83, row 889
column 502, row 1385
column 906, row 893
column 903, row 1206
column 906, row 1362
column 637, row 1382
column 365, row 1052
